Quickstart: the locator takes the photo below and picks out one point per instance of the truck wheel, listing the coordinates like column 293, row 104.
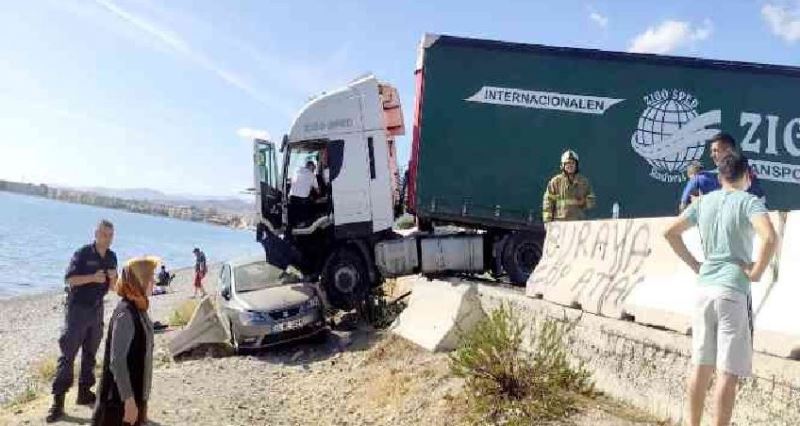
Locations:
column 345, row 279
column 521, row 255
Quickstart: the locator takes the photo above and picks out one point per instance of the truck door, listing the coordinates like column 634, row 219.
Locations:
column 268, row 186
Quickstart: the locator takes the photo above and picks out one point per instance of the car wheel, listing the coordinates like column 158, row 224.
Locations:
column 345, row 279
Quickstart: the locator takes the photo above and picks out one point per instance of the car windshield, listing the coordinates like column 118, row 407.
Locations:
column 260, row 275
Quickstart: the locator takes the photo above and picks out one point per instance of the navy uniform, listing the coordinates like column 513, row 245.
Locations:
column 83, row 323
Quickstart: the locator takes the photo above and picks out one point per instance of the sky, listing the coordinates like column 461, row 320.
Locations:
column 167, row 94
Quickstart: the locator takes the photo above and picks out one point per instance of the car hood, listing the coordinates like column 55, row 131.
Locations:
column 273, row 298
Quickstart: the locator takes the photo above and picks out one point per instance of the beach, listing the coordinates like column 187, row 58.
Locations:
column 356, row 376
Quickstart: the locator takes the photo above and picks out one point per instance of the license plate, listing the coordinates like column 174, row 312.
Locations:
column 293, row 324
column 289, row 325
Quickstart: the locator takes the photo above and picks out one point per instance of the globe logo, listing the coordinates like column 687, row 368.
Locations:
column 671, row 134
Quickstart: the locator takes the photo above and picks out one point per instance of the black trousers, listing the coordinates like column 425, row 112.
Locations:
column 300, row 210
column 83, row 329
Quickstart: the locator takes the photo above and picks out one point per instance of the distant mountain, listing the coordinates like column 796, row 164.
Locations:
column 142, row 194
column 231, row 204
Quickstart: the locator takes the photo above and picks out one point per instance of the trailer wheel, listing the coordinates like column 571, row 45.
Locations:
column 521, row 255
column 345, row 279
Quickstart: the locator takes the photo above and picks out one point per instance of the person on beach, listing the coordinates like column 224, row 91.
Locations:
column 704, row 182
column 722, row 323
column 90, row 273
column 164, row 277
column 200, row 270
column 127, row 375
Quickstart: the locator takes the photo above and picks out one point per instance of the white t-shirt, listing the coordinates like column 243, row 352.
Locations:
column 302, row 182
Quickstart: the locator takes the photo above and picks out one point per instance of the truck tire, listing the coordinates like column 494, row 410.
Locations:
column 521, row 255
column 345, row 279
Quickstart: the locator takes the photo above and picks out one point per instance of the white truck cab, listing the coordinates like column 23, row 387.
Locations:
column 347, row 138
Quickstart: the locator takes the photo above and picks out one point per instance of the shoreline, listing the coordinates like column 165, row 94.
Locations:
column 234, row 221
column 59, row 292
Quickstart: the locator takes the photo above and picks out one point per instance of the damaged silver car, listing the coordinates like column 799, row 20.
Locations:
column 262, row 305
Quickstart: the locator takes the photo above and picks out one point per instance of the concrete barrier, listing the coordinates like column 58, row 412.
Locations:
column 777, row 319
column 626, row 269
column 594, row 265
column 665, row 295
column 204, row 327
column 437, row 313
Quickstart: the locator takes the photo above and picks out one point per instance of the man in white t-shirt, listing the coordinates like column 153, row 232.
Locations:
column 303, row 181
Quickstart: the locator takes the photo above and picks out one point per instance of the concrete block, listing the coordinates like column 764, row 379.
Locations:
column 665, row 295
column 437, row 313
column 777, row 318
column 204, row 327
column 625, row 269
column 594, row 265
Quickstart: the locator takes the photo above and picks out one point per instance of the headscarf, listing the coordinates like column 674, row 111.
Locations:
column 133, row 281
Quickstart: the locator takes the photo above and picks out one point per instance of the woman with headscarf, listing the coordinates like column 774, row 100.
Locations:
column 128, row 362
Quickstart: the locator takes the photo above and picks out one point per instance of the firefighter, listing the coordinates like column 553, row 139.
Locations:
column 568, row 194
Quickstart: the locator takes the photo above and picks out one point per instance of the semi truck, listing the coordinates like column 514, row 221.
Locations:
column 491, row 120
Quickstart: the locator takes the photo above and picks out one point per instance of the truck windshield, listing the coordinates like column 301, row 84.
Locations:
column 299, row 155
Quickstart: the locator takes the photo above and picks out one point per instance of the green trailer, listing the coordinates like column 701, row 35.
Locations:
column 492, row 119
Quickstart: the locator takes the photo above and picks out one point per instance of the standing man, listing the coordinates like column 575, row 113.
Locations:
column 200, row 270
column 569, row 194
column 722, row 323
column 704, row 182
column 91, row 271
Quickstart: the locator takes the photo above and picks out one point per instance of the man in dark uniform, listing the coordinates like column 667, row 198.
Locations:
column 91, row 271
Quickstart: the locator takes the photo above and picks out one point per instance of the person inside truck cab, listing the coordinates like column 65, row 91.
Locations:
column 704, row 182
column 303, row 182
column 568, row 194
column 323, row 174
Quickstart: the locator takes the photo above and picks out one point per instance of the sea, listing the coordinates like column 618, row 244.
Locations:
column 38, row 237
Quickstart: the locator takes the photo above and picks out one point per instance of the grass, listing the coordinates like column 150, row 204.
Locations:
column 405, row 222
column 181, row 315
column 28, row 395
column 45, row 369
column 504, row 384
column 43, row 372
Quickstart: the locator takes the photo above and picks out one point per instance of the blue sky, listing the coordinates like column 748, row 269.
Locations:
column 145, row 93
